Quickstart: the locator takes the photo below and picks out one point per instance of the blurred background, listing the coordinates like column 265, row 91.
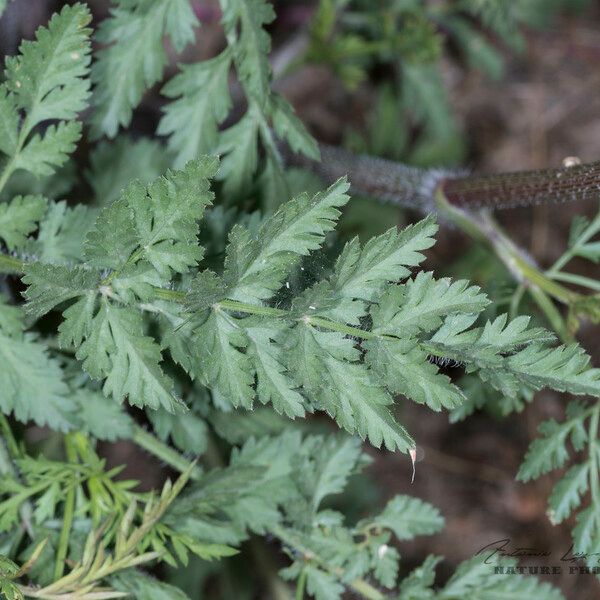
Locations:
column 434, row 83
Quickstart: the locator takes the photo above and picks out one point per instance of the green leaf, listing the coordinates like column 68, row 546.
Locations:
column 77, row 323
column 273, row 382
column 257, row 266
column 405, row 369
column 42, row 155
column 166, row 218
column 9, row 122
column 322, row 585
column 385, row 561
column 62, row 233
column 19, row 218
column 336, row 459
column 117, row 349
column 31, row 383
column 586, row 535
column 202, row 102
column 477, row 580
column 134, row 38
column 290, row 128
column 251, row 47
column 421, row 303
column 363, row 272
column 8, row 569
column 144, row 587
column 238, row 146
column 113, row 238
column 11, row 318
column 206, row 289
column 567, row 493
column 327, row 365
column 113, row 164
column 409, row 517
column 223, row 365
column 49, row 77
column 510, row 356
column 50, row 285
column 566, row 369
column 417, row 584
column 547, row 452
column 158, row 223
column 101, row 418
column 188, row 431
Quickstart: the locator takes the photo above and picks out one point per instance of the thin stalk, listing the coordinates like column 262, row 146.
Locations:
column 587, row 282
column 301, row 585
column 170, row 295
column 163, row 451
column 593, row 451
column 9, row 438
column 587, row 234
column 251, row 309
column 551, row 313
column 65, row 533
column 10, row 265
column 483, row 228
column 516, row 300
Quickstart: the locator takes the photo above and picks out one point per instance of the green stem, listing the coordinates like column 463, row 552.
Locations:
column 9, row 438
column 551, row 313
column 170, row 295
column 65, row 533
column 516, row 300
column 588, row 233
column 9, row 264
column 593, row 452
column 591, row 284
column 163, row 451
column 301, row 585
column 8, row 171
column 345, row 329
column 252, row 309
column 483, row 227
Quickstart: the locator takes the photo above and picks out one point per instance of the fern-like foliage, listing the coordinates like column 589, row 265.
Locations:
column 578, row 431
column 134, row 56
column 46, row 82
column 162, row 315
column 342, row 345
